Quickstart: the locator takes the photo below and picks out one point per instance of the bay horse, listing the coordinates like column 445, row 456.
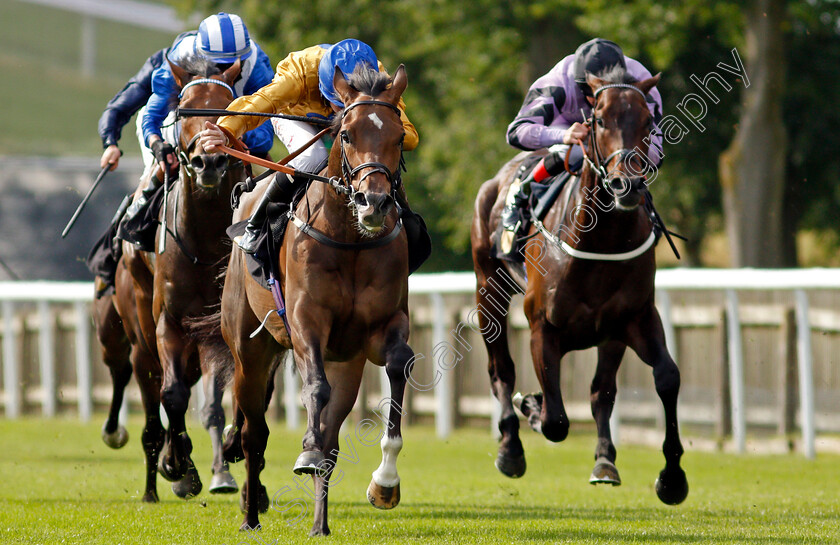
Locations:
column 344, row 272
column 159, row 293
column 590, row 270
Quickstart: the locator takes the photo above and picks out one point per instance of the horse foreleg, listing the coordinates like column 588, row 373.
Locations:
column 347, row 376
column 147, row 372
column 493, row 293
column 213, row 420
column 495, row 302
column 546, row 351
column 116, row 351
column 249, row 391
column 646, row 337
column 384, row 489
column 314, row 394
column 175, row 397
column 602, row 397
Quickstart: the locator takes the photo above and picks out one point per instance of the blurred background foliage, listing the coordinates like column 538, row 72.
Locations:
column 469, row 66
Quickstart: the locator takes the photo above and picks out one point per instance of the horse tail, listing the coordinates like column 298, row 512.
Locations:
column 207, row 331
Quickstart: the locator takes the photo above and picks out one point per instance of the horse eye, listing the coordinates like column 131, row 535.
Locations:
column 599, row 121
column 345, row 137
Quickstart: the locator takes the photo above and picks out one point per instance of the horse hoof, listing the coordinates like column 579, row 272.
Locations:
column 308, row 462
column 247, row 526
column 150, row 497
column 167, row 466
column 511, row 466
column 169, row 472
column 530, row 406
column 263, row 501
column 117, row 439
column 672, row 486
column 189, row 486
column 223, row 483
column 319, row 532
column 383, row 497
column 605, row 472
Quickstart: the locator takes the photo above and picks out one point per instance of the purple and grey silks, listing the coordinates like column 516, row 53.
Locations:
column 554, row 103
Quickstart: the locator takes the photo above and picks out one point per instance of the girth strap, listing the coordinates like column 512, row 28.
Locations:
column 327, row 241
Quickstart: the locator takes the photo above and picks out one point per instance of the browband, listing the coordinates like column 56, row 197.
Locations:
column 619, row 85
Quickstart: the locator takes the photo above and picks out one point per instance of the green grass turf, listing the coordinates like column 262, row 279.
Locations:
column 61, row 484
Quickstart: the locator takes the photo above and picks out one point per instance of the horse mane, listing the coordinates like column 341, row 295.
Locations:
column 199, row 66
column 369, row 81
column 615, row 74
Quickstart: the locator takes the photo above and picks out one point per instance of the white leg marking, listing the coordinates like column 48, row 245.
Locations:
column 386, row 474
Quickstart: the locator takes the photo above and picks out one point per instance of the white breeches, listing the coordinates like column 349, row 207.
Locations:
column 293, row 135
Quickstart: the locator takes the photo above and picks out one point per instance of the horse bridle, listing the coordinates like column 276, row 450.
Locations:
column 599, row 165
column 348, row 171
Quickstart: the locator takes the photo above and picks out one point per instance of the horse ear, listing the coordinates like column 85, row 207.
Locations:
column 594, row 82
column 398, row 84
column 342, row 87
column 232, row 73
column 647, row 84
column 181, row 75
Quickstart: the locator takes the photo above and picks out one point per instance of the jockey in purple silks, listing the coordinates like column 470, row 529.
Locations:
column 556, row 107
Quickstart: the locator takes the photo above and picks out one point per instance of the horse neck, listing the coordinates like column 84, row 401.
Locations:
column 612, row 226
column 201, row 216
column 334, row 215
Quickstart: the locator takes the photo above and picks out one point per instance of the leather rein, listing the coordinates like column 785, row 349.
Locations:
column 343, row 184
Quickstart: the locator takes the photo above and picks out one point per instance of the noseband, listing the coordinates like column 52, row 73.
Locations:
column 348, row 171
column 599, row 165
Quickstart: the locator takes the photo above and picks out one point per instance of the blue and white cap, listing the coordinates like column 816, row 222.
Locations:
column 345, row 55
column 223, row 38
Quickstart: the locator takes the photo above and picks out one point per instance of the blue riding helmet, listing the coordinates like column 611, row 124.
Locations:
column 345, row 55
column 223, row 38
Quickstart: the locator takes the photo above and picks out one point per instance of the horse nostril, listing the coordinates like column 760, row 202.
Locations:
column 197, row 162
column 619, row 185
column 221, row 162
column 387, row 204
column 360, row 200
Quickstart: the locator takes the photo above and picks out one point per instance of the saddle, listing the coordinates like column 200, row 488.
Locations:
column 107, row 251
column 103, row 258
column 142, row 228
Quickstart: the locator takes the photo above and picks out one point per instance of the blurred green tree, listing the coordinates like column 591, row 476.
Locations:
column 469, row 65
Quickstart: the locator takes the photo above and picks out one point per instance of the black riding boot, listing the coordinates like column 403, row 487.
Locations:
column 551, row 165
column 280, row 189
column 140, row 203
column 516, row 204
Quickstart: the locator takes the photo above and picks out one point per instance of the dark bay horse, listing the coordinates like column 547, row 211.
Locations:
column 346, row 299
column 160, row 292
column 590, row 282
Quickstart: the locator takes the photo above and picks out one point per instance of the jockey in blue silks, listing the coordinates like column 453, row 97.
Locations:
column 223, row 39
